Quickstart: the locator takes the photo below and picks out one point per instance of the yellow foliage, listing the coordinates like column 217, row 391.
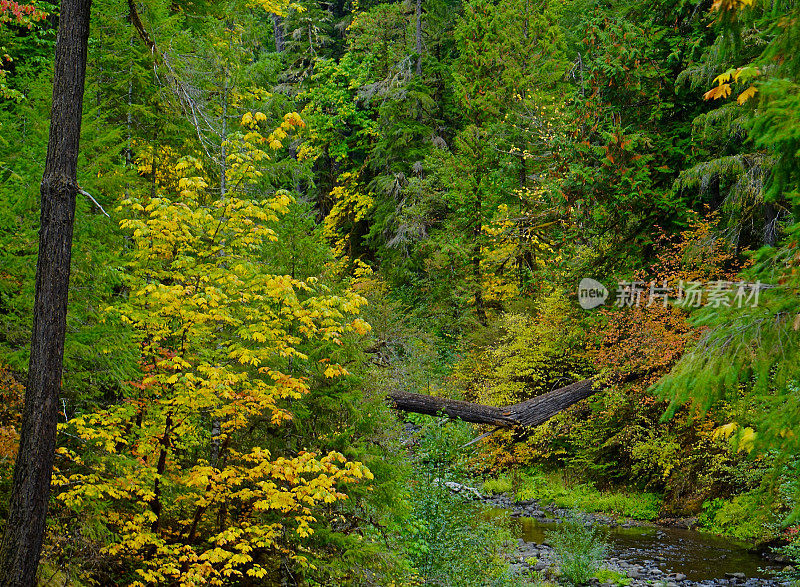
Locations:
column 725, row 431
column 351, row 203
column 738, row 75
column 730, row 5
column 159, row 165
column 746, row 95
column 744, row 439
column 721, row 91
column 279, row 7
column 217, row 336
column 508, row 242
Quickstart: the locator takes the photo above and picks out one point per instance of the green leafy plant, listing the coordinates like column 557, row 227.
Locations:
column 449, row 541
column 552, row 489
column 745, row 516
column 606, row 575
column 579, row 548
column 502, row 484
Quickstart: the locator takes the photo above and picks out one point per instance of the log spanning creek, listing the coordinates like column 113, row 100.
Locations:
column 645, row 553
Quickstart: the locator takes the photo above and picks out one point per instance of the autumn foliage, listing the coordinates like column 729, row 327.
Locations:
column 185, row 493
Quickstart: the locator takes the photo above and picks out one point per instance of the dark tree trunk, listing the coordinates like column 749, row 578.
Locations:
column 522, row 244
column 529, row 413
column 477, row 233
column 277, row 27
column 30, row 490
column 770, row 224
column 155, row 504
column 418, row 36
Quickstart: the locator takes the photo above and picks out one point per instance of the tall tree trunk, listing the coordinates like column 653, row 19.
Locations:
column 223, row 161
column 480, row 306
column 477, row 233
column 770, row 224
column 30, row 489
column 522, row 242
column 418, row 37
column 280, row 38
column 155, row 503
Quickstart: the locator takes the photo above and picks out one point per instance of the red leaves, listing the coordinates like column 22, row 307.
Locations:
column 23, row 14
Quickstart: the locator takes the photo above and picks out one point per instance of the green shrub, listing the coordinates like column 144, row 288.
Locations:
column 447, row 539
column 502, row 484
column 745, row 517
column 605, row 575
column 578, row 548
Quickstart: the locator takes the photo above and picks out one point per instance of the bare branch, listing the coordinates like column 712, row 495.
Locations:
column 96, row 203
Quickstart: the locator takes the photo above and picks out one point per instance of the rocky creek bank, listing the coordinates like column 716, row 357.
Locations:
column 531, row 558
column 658, row 558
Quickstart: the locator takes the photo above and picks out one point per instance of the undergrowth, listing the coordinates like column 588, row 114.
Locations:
column 551, row 489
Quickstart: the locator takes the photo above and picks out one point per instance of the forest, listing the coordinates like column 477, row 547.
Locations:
column 351, row 292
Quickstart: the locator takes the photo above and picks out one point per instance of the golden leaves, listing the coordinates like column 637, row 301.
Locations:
column 721, row 91
column 730, row 5
column 351, row 204
column 724, row 80
column 335, row 371
column 746, row 95
column 216, row 331
column 742, row 439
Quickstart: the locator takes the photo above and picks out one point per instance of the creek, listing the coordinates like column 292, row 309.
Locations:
column 698, row 556
column 648, row 553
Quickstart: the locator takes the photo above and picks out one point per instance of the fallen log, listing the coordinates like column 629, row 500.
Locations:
column 528, row 413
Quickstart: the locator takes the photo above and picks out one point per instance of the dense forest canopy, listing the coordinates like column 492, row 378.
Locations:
column 289, row 212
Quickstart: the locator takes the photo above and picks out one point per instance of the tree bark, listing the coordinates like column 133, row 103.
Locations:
column 528, row 413
column 770, row 224
column 277, row 27
column 30, row 490
column 477, row 234
column 418, row 36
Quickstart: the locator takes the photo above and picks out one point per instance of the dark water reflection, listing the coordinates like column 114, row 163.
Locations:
column 697, row 555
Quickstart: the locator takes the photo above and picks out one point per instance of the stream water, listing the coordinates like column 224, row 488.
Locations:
column 697, row 555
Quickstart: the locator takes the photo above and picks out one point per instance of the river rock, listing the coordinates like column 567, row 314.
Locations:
column 459, row 488
column 741, row 576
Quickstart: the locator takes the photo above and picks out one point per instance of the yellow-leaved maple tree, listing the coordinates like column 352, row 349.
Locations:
column 512, row 249
column 175, row 473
